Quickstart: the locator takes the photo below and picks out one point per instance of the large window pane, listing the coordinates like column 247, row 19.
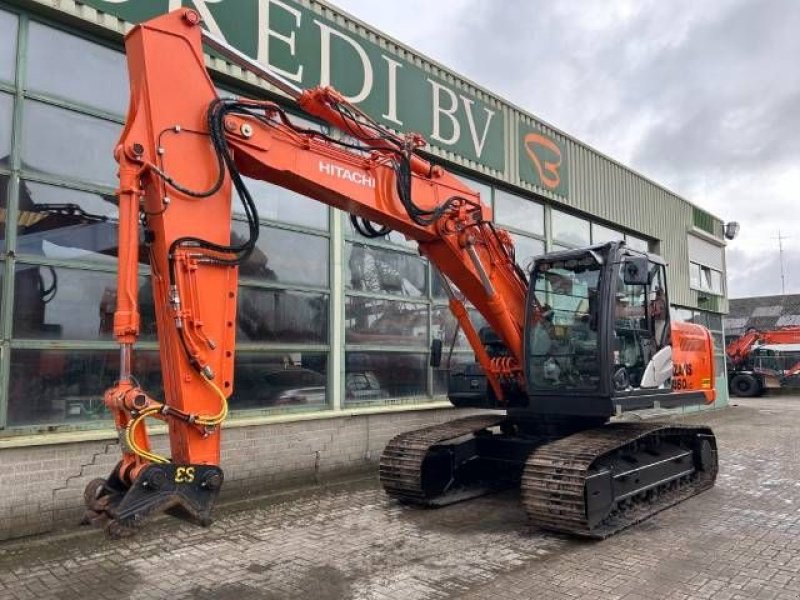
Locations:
column 602, row 234
column 526, row 250
column 437, row 285
column 694, row 275
column 378, row 270
column 445, row 326
column 280, row 380
column 66, row 224
column 700, row 318
column 71, row 304
column 279, row 204
column 393, row 378
column 66, row 386
column 680, row 314
column 637, row 243
column 719, row 342
column 74, row 68
column 440, row 374
column 485, row 190
column 67, row 143
column 285, row 256
column 393, row 237
column 266, row 315
column 570, row 229
column 8, row 45
column 716, row 281
column 518, row 212
column 6, row 110
column 385, row 322
column 715, row 322
column 720, row 365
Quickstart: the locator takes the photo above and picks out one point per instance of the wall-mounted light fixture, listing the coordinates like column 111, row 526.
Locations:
column 731, row 230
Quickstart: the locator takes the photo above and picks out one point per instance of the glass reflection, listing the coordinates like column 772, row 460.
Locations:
column 280, row 380
column 392, row 378
column 637, row 243
column 445, row 327
column 64, row 386
column 518, row 212
column 440, row 374
column 377, row 270
column 71, row 304
column 570, row 229
column 526, row 250
column 6, row 110
column 4, row 179
column 285, row 256
column 266, row 315
column 484, row 189
column 66, row 224
column 602, row 234
column 393, row 237
column 63, row 142
column 8, row 45
column 385, row 322
column 279, row 204
column 76, row 69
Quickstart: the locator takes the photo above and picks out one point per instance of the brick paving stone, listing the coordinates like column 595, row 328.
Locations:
column 740, row 540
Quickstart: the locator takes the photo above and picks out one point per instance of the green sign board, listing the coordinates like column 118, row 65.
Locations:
column 542, row 160
column 311, row 50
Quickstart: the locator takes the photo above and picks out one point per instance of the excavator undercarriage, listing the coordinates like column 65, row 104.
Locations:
column 592, row 483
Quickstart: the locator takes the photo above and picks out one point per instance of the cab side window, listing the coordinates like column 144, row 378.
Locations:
column 658, row 307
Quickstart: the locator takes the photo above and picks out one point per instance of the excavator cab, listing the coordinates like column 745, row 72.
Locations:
column 598, row 332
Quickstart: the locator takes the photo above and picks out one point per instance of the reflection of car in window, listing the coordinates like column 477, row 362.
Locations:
column 295, row 385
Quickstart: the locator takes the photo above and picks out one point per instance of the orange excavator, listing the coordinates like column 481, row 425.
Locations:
column 583, row 335
column 761, row 360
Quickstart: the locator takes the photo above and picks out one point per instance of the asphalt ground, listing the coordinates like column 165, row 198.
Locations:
column 739, row 540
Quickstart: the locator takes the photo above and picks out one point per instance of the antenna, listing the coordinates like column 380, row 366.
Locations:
column 780, row 251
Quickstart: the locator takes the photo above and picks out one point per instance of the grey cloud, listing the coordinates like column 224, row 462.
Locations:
column 758, row 274
column 703, row 97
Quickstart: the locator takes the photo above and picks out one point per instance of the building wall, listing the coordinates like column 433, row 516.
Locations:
column 43, row 484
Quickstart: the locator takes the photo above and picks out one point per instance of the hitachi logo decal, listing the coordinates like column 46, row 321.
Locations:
column 347, row 174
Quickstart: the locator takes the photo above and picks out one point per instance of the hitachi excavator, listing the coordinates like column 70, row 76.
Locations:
column 581, row 336
column 761, row 360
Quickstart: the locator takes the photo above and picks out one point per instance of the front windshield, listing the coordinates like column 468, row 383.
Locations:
column 563, row 342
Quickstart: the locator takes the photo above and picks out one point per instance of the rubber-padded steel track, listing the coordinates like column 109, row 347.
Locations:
column 401, row 464
column 554, row 479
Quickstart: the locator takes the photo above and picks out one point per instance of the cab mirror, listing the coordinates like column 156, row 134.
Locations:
column 436, row 353
column 636, row 270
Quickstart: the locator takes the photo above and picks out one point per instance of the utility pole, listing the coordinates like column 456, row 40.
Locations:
column 780, row 251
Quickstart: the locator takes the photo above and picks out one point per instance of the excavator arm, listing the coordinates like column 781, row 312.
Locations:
column 182, row 152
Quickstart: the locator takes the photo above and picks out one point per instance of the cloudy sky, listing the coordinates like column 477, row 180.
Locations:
column 703, row 97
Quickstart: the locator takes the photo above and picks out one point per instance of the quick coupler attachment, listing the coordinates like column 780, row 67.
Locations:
column 184, row 491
